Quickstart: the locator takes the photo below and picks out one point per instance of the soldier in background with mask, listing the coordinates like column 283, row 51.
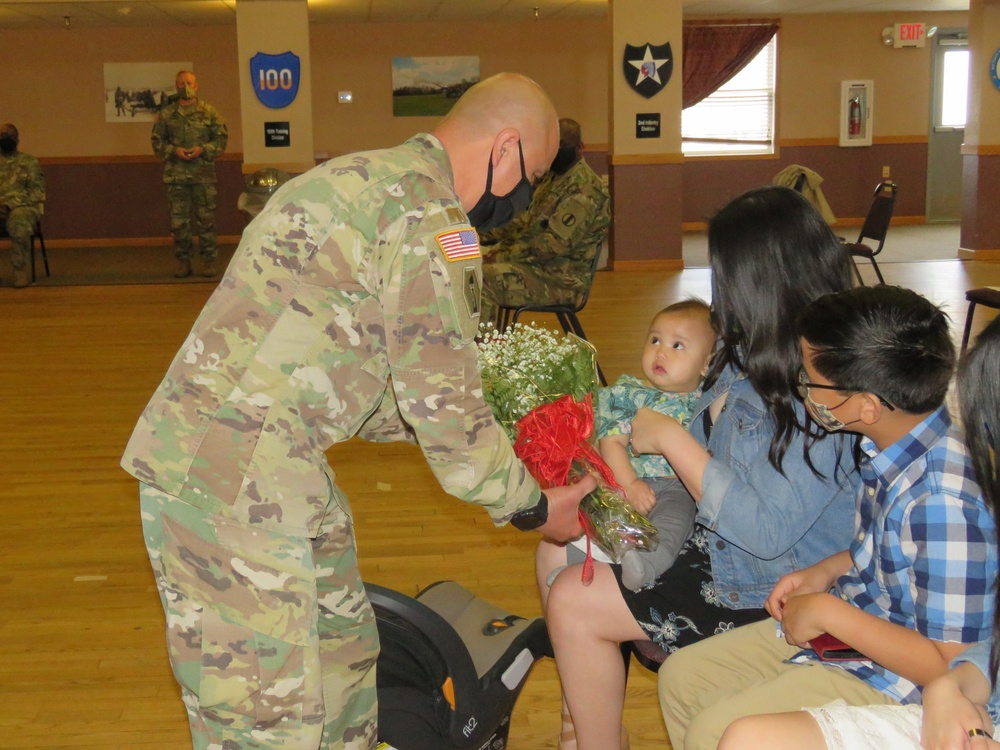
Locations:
column 350, row 308
column 189, row 134
column 545, row 256
column 22, row 191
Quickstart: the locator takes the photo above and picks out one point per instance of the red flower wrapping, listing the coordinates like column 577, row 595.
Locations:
column 553, row 442
column 553, row 435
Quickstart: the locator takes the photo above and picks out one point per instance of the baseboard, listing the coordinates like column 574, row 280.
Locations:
column 660, row 264
column 225, row 239
column 966, row 254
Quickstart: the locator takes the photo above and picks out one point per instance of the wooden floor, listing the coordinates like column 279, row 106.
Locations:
column 82, row 659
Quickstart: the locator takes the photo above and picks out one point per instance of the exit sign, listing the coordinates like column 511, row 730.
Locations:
column 909, row 35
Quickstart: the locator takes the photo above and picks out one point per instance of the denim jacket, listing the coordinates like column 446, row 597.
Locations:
column 763, row 524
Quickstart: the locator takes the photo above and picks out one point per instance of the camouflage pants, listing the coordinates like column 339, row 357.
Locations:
column 197, row 198
column 20, row 225
column 271, row 637
column 515, row 285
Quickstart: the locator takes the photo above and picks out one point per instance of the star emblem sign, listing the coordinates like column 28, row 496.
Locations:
column 648, row 67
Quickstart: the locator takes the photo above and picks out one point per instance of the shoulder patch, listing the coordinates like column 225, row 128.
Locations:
column 459, row 244
column 454, row 215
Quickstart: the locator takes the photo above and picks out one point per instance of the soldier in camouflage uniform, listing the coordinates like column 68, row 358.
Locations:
column 546, row 255
column 189, row 134
column 350, row 308
column 22, row 192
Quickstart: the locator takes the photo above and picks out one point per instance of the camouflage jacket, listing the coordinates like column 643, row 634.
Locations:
column 198, row 124
column 340, row 314
column 562, row 229
column 21, row 181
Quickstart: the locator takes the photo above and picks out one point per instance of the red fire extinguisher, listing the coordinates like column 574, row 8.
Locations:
column 854, row 117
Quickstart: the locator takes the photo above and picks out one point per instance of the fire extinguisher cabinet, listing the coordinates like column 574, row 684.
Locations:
column 856, row 113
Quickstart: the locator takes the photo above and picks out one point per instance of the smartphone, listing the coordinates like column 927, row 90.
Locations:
column 829, row 648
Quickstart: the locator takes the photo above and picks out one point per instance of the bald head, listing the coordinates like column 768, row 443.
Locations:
column 486, row 126
column 9, row 131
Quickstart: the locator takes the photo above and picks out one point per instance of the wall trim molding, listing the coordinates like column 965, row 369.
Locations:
column 661, row 264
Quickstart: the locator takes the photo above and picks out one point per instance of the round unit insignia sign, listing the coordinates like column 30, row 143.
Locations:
column 275, row 78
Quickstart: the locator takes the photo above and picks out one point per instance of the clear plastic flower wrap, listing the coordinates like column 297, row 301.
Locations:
column 540, row 386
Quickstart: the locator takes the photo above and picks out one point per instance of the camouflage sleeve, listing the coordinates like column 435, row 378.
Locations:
column 160, row 139
column 26, row 186
column 431, row 309
column 569, row 225
column 216, row 138
column 35, row 193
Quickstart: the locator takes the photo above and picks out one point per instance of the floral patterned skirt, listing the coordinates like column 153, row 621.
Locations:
column 682, row 606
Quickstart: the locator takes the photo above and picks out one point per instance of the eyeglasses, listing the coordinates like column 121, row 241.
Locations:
column 804, row 386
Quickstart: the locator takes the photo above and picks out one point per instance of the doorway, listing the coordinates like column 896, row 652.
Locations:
column 948, row 112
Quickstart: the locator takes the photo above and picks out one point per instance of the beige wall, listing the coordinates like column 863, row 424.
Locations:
column 55, row 98
column 53, row 84
column 817, row 52
column 568, row 59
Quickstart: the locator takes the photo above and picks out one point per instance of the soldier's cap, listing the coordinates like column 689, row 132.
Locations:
column 10, row 131
column 569, row 133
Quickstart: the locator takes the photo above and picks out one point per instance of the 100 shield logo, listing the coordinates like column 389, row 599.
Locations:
column 275, row 78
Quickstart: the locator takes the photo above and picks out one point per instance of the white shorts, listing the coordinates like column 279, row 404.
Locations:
column 870, row 727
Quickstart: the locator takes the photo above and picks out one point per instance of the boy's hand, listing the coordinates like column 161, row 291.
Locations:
column 815, row 579
column 804, row 617
column 640, row 496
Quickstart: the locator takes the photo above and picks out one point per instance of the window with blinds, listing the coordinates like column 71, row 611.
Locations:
column 739, row 117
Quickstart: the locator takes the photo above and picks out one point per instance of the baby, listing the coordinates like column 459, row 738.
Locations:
column 675, row 358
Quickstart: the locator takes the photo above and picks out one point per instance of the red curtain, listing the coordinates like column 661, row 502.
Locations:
column 715, row 53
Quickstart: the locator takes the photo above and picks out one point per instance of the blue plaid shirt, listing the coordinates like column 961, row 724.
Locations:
column 924, row 551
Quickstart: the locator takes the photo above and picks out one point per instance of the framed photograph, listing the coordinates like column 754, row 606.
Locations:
column 430, row 86
column 134, row 92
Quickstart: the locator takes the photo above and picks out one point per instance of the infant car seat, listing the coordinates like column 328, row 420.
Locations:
column 450, row 668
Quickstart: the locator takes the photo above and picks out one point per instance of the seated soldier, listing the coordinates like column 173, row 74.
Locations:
column 22, row 190
column 545, row 255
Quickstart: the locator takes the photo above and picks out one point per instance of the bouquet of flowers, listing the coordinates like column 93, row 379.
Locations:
column 540, row 387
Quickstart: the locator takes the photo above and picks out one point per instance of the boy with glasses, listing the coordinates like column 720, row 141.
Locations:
column 914, row 589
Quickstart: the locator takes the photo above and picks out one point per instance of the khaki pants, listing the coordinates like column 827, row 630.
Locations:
column 706, row 686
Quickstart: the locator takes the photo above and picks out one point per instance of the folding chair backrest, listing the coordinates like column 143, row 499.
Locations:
column 876, row 224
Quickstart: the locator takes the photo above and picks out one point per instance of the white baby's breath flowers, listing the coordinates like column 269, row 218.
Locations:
column 522, row 366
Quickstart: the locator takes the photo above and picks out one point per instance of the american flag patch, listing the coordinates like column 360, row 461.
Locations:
column 459, row 244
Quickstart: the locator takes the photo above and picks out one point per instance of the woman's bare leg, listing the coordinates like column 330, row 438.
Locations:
column 586, row 625
column 548, row 557
column 785, row 731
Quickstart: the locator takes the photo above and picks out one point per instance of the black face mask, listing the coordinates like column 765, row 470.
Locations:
column 565, row 158
column 494, row 211
column 8, row 145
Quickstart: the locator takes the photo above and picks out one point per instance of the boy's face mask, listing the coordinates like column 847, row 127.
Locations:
column 821, row 413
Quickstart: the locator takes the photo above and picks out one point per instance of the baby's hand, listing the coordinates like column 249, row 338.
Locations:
column 640, row 496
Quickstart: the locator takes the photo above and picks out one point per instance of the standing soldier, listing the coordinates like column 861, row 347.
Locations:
column 350, row 308
column 189, row 134
column 22, row 191
column 545, row 256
